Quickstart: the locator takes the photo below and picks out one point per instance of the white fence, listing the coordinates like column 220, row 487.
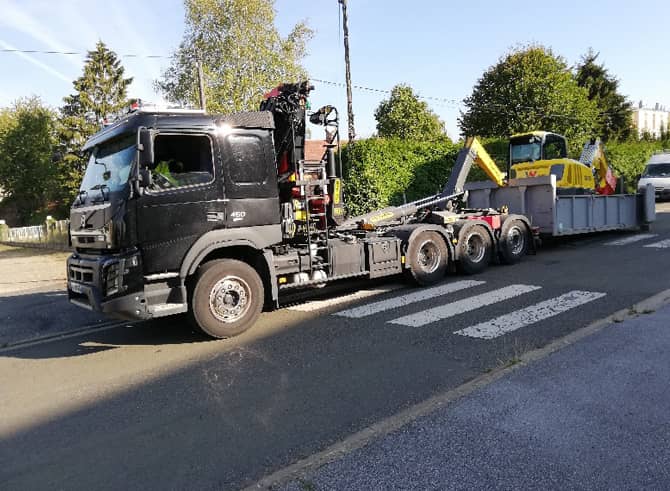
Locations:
column 51, row 235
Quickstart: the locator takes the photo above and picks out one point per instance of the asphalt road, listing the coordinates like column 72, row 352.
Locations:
column 591, row 416
column 160, row 407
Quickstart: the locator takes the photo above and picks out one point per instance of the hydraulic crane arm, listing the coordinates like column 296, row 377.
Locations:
column 472, row 152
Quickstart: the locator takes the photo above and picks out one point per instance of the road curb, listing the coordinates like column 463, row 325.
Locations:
column 392, row 423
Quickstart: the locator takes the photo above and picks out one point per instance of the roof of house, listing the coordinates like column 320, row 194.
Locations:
column 314, row 149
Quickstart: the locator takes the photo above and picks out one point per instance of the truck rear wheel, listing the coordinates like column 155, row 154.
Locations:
column 227, row 298
column 474, row 249
column 514, row 241
column 427, row 258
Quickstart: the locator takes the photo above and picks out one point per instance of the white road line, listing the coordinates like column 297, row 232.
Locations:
column 529, row 315
column 409, row 298
column 663, row 244
column 314, row 305
column 466, row 305
column 631, row 239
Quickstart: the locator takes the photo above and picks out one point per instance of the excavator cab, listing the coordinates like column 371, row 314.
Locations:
column 538, row 145
column 542, row 153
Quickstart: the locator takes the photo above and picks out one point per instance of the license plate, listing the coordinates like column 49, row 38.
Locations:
column 76, row 287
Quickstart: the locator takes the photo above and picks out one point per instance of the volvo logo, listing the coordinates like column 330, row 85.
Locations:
column 83, row 221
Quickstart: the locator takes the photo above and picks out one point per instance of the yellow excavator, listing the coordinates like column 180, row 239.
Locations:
column 542, row 153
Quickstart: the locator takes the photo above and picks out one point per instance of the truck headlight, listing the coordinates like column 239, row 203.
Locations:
column 112, row 279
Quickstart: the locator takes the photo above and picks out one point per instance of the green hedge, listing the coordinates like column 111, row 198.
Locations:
column 377, row 171
column 629, row 158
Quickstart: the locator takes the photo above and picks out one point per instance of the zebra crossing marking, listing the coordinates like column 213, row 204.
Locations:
column 407, row 299
column 529, row 315
column 630, row 240
column 315, row 305
column 663, row 244
column 466, row 305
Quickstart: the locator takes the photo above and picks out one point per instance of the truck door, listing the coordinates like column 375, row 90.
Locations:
column 183, row 201
column 250, row 178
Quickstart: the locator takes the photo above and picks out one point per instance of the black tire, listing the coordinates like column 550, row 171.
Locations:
column 474, row 249
column 514, row 241
column 227, row 298
column 427, row 257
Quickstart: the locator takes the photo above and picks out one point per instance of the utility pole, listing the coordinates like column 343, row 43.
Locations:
column 350, row 107
column 201, row 84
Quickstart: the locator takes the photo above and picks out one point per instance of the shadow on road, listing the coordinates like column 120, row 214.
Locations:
column 253, row 405
column 176, row 330
column 32, row 315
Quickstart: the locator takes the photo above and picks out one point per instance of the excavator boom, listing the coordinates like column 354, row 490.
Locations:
column 472, row 152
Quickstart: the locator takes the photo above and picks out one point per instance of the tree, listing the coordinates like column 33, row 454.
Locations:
column 614, row 119
column 241, row 52
column 99, row 92
column 404, row 116
column 27, row 173
column 529, row 89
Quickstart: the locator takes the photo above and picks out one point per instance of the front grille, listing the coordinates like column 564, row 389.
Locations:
column 86, row 239
column 81, row 274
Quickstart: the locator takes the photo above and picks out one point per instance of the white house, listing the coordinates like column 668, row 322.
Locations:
column 651, row 120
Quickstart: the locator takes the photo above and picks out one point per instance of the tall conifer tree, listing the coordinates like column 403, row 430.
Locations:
column 100, row 91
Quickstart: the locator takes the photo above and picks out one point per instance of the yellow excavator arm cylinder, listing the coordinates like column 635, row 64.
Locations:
column 485, row 162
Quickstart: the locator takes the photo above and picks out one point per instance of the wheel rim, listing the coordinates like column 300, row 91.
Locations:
column 516, row 239
column 476, row 249
column 429, row 256
column 230, row 299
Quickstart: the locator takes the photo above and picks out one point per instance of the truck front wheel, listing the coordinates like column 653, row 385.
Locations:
column 227, row 298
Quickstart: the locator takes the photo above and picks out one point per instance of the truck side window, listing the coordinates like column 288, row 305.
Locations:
column 247, row 160
column 182, row 160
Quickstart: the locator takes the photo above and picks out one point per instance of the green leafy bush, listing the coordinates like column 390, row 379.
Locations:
column 377, row 171
column 629, row 158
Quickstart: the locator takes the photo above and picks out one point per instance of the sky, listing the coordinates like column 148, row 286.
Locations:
column 439, row 47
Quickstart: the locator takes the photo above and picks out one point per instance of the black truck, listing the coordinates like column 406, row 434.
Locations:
column 217, row 216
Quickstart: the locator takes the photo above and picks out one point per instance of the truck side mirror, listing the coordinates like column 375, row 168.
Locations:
column 146, row 147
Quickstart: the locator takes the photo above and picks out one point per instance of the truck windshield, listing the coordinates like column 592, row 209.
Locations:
column 109, row 166
column 657, row 170
column 525, row 152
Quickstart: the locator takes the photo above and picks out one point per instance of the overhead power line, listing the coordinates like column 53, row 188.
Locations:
column 451, row 103
column 80, row 53
column 457, row 103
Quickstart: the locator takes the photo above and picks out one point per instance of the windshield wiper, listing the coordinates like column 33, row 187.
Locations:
column 101, row 188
